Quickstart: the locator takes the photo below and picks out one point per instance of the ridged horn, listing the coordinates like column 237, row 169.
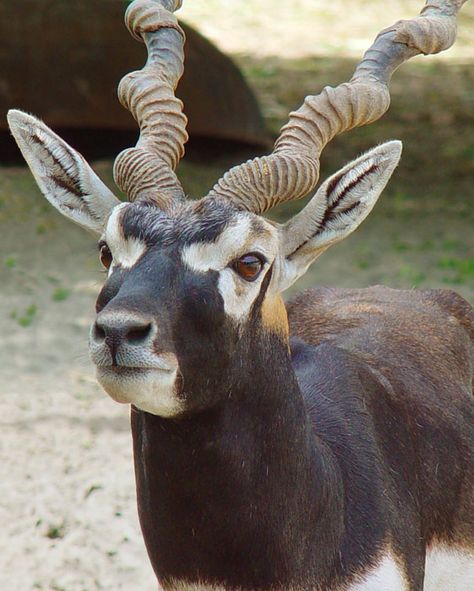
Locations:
column 147, row 170
column 292, row 169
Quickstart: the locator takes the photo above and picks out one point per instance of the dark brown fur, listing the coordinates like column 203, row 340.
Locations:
column 420, row 346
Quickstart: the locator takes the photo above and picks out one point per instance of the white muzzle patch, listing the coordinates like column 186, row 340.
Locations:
column 151, row 390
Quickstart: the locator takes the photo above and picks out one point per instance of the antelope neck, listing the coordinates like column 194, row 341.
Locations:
column 237, row 495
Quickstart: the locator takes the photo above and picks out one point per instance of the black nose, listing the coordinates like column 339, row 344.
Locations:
column 118, row 329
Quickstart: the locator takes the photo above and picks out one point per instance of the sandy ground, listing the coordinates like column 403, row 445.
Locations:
column 67, row 501
column 67, row 508
column 266, row 28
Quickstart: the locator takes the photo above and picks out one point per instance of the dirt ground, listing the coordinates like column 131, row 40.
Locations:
column 67, row 500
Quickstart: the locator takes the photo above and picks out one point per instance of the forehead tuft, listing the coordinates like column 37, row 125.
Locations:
column 189, row 223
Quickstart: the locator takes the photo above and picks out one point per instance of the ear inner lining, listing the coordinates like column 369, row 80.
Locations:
column 339, row 206
column 62, row 174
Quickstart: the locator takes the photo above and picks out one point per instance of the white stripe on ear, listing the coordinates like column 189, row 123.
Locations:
column 341, row 203
column 62, row 174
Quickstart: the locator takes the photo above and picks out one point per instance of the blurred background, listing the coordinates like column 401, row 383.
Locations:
column 68, row 509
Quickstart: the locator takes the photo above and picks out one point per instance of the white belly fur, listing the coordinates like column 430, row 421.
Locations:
column 449, row 569
column 386, row 576
column 177, row 585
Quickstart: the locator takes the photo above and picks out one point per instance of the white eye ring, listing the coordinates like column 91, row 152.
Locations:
column 249, row 266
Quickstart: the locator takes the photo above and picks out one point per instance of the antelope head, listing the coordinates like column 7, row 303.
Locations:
column 193, row 288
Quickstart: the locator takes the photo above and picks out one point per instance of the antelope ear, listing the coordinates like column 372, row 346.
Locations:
column 339, row 206
column 62, row 174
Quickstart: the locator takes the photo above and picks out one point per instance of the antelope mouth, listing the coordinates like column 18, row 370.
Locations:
column 154, row 389
column 130, row 371
column 130, row 361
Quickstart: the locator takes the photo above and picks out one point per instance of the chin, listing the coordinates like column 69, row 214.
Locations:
column 151, row 390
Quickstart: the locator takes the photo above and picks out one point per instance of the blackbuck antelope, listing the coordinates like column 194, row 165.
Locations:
column 326, row 445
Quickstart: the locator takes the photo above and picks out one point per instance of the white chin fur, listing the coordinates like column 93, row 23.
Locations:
column 151, row 390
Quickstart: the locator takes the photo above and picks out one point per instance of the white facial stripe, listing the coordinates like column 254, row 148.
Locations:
column 125, row 251
column 204, row 256
column 238, row 294
column 129, row 253
column 235, row 241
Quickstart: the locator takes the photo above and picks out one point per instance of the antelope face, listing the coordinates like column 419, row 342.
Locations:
column 181, row 288
column 193, row 288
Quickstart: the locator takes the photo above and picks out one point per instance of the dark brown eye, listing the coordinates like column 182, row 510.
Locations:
column 248, row 266
column 105, row 255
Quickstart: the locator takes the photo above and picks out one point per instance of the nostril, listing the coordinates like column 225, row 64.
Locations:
column 117, row 330
column 99, row 332
column 138, row 334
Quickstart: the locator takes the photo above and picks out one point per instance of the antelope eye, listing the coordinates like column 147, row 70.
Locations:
column 248, row 267
column 105, row 255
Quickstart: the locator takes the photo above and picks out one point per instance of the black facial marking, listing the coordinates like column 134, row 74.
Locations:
column 203, row 305
column 110, row 289
column 263, row 290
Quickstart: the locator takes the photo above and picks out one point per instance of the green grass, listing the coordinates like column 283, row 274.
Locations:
column 27, row 317
column 460, row 270
column 60, row 294
column 10, row 261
